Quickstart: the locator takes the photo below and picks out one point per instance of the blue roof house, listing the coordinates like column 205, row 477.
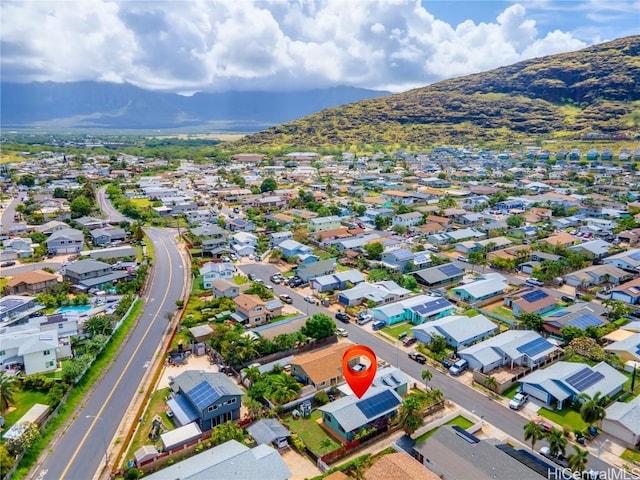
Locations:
column 349, row 415
column 418, row 309
column 486, row 287
column 397, row 259
column 293, row 248
column 337, row 281
column 458, row 330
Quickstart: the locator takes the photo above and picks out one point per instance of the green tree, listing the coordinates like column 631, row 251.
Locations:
column 319, row 326
column 252, row 374
column 410, row 417
column 98, row 325
column 8, row 386
column 578, row 460
column 29, row 432
column 557, row 442
column 491, row 383
column 6, row 460
column 225, row 432
column 285, row 388
column 438, row 344
column 532, row 321
column 426, row 376
column 515, row 221
column 409, row 282
column 27, row 180
column 592, row 409
column 532, row 432
column 374, row 250
column 269, row 184
column 80, row 206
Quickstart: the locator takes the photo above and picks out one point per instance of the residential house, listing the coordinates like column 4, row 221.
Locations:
column 407, row 219
column 276, row 238
column 398, row 197
column 349, row 415
column 16, row 307
column 269, row 431
column 534, row 300
column 597, row 275
column 595, row 249
column 397, row 466
column 628, row 292
column 309, row 271
column 337, row 281
column 224, row 289
column 51, row 226
column 565, row 381
column 66, row 240
column 196, row 217
column 240, row 225
column 524, row 348
column 562, row 239
column 207, row 398
column 28, row 348
column 20, row 245
column 120, row 253
column 628, row 260
column 85, row 274
column 622, row 421
column 320, row 368
column 244, row 243
column 293, row 248
column 579, row 315
column 232, row 461
column 321, row 224
column 107, row 236
column 488, row 286
column 250, row 310
column 386, row 377
column 439, row 276
column 458, row 330
column 398, row 259
column 90, row 223
column 271, row 202
column 211, row 271
column 451, row 453
column 379, row 293
column 418, row 309
column 632, row 237
column 30, row 283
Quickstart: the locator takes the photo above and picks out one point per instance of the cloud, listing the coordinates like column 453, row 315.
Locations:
column 266, row 44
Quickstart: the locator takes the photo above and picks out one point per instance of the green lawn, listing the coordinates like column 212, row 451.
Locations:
column 283, row 317
column 630, row 455
column 503, row 312
column 23, row 401
column 470, row 313
column 564, row 417
column 240, row 279
column 396, row 330
column 157, row 406
column 141, row 202
column 512, row 390
column 460, row 421
column 312, row 433
column 197, row 287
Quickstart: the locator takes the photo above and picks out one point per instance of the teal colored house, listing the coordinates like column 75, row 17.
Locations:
column 349, row 415
column 417, row 310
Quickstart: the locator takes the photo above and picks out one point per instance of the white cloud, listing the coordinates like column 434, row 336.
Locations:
column 265, row 44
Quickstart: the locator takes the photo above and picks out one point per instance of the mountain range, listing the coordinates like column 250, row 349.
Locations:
column 594, row 91
column 125, row 106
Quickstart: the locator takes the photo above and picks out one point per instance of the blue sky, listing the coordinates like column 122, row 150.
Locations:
column 217, row 45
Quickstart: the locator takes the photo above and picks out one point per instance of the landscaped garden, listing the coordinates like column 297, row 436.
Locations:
column 460, row 421
column 396, row 330
column 566, row 416
column 313, row 435
column 157, row 407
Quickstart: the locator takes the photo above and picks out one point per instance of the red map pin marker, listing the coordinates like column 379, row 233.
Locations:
column 359, row 379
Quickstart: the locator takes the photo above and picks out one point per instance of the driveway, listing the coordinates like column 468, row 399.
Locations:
column 299, row 465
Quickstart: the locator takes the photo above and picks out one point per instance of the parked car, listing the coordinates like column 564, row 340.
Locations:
column 559, row 459
column 462, row 258
column 310, row 299
column 534, row 281
column 10, row 263
column 342, row 332
column 545, row 426
column 458, row 367
column 378, row 325
column 364, row 318
column 343, row 317
column 518, row 401
column 567, row 298
column 286, row 298
column 409, row 341
column 277, row 279
column 418, row 357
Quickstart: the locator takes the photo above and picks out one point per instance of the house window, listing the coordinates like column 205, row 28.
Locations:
column 47, row 352
column 212, row 408
column 60, row 325
column 2, row 353
column 50, row 364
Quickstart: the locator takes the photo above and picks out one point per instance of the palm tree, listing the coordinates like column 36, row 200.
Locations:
column 252, row 374
column 533, row 432
column 557, row 442
column 285, row 389
column 592, row 409
column 8, row 387
column 410, row 414
column 426, row 376
column 578, row 460
column 254, row 407
column 491, row 383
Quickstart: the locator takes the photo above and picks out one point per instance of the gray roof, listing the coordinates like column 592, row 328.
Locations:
column 86, row 266
column 267, row 430
column 489, row 284
column 349, row 416
column 458, row 327
column 71, row 233
column 438, row 274
column 626, row 414
column 452, row 456
column 191, row 378
column 316, row 267
column 495, row 348
column 109, row 277
column 229, row 461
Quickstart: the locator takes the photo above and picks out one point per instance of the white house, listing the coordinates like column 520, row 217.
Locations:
column 457, row 330
column 407, row 219
column 215, row 271
column 321, row 224
column 35, row 350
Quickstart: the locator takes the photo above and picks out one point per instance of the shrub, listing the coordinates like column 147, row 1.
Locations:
column 321, row 397
column 133, row 474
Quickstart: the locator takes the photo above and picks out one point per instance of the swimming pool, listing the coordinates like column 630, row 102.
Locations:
column 75, row 308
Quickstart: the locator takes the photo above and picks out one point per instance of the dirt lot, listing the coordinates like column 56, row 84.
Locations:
column 301, row 467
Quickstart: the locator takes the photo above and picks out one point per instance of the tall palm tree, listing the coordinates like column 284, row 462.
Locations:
column 285, row 389
column 8, row 387
column 557, row 442
column 592, row 409
column 533, row 432
column 410, row 414
column 578, row 460
column 252, row 374
column 426, row 376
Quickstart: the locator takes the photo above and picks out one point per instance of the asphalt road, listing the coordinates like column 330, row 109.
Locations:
column 9, row 213
column 492, row 412
column 79, row 453
column 110, row 213
column 28, row 267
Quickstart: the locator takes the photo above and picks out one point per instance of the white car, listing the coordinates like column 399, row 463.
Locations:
column 310, row 299
column 518, row 401
column 342, row 332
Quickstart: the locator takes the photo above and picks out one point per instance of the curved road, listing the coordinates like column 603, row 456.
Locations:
column 111, row 214
column 79, row 453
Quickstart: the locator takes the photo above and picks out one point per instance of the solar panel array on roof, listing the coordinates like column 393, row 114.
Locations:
column 535, row 296
column 461, row 432
column 534, row 463
column 10, row 303
column 535, row 347
column 402, row 254
column 635, row 256
column 450, row 269
column 431, row 306
column 375, row 406
column 203, row 394
column 559, row 314
column 584, row 379
column 584, row 321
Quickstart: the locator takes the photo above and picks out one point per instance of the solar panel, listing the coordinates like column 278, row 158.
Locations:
column 535, row 347
column 584, row 379
column 203, row 394
column 450, row 269
column 375, row 406
column 584, row 321
column 431, row 306
column 534, row 296
column 635, row 256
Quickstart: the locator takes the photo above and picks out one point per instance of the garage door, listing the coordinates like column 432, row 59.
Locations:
column 536, row 392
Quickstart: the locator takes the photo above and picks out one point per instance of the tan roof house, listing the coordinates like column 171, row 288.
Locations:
column 250, row 310
column 30, row 283
column 321, row 368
